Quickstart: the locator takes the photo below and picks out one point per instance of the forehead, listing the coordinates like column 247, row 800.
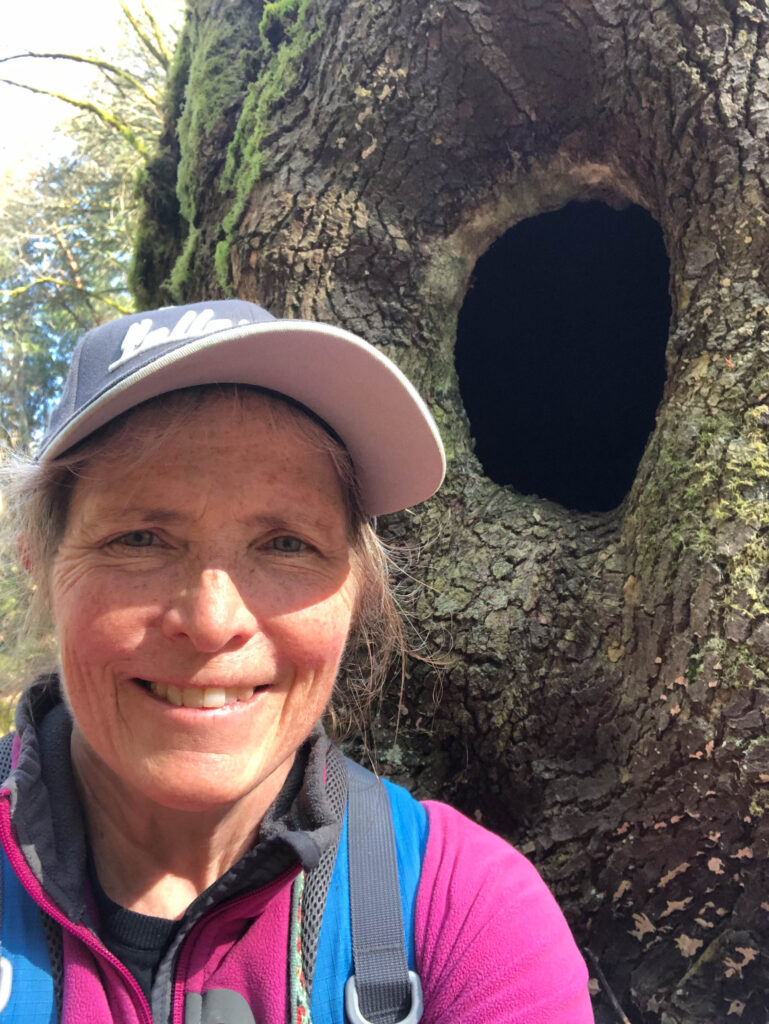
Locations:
column 231, row 439
column 215, row 405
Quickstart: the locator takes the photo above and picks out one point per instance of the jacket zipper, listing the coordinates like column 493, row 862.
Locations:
column 36, row 891
column 185, row 952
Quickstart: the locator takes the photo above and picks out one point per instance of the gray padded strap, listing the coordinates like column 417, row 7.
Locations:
column 6, row 743
column 379, row 953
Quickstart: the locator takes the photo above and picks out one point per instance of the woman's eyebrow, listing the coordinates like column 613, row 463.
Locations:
column 162, row 516
column 143, row 513
column 291, row 520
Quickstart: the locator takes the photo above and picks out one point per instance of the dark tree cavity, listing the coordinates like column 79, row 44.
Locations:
column 605, row 697
column 561, row 352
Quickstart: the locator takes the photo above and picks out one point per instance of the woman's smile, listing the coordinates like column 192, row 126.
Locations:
column 199, row 697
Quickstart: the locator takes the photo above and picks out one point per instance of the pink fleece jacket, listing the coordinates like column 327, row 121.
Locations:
column 491, row 944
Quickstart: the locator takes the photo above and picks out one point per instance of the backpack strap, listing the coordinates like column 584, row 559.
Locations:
column 334, row 961
column 6, row 970
column 382, row 990
column 26, row 984
column 6, row 748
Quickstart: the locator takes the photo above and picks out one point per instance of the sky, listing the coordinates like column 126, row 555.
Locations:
column 28, row 122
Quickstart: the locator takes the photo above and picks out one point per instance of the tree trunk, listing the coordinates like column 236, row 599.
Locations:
column 604, row 701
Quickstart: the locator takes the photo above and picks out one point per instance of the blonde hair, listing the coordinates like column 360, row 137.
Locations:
column 37, row 499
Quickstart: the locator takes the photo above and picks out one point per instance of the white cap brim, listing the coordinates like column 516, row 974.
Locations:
column 388, row 430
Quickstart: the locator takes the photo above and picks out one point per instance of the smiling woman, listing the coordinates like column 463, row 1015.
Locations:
column 197, row 524
column 198, row 606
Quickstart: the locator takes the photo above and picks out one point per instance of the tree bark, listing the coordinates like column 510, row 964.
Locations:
column 604, row 699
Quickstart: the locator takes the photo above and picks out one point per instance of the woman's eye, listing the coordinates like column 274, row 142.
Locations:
column 137, row 539
column 288, row 545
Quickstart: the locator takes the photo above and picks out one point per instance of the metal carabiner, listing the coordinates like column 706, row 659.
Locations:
column 352, row 1007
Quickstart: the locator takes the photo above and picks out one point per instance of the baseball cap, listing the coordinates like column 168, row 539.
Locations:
column 358, row 392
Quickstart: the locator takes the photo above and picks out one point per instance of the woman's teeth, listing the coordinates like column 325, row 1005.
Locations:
column 196, row 697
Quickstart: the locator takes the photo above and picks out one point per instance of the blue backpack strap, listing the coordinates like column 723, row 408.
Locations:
column 334, row 961
column 26, row 984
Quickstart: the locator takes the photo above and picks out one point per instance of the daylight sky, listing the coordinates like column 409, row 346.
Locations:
column 28, row 121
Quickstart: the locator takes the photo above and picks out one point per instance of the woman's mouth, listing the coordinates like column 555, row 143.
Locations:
column 201, row 697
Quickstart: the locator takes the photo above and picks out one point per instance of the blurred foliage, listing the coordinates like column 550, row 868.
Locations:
column 7, row 711
column 66, row 236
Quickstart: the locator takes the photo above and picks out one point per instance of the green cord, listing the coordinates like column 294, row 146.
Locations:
column 299, row 999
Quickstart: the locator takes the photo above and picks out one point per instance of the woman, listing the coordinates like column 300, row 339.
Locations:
column 197, row 523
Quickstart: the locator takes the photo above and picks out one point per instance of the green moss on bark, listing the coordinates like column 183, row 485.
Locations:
column 161, row 227
column 288, row 29
column 159, row 233
column 226, row 54
column 668, row 516
column 278, row 20
column 230, row 74
column 744, row 509
column 216, row 59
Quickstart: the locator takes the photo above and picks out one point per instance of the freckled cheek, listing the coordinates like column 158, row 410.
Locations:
column 93, row 628
column 87, row 680
column 313, row 640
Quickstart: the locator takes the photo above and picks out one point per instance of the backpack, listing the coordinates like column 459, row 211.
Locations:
column 362, row 925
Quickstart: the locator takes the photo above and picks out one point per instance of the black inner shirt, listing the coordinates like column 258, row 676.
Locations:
column 137, row 940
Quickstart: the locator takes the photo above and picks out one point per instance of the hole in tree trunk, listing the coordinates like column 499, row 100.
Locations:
column 561, row 352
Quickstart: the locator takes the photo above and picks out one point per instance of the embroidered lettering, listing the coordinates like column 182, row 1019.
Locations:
column 141, row 335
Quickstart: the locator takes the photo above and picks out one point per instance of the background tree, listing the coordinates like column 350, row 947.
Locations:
column 66, row 230
column 606, row 704
column 66, row 233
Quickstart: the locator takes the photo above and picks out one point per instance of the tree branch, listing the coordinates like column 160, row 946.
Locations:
column 593, row 959
column 69, row 256
column 12, row 293
column 104, row 66
column 154, row 45
column 103, row 115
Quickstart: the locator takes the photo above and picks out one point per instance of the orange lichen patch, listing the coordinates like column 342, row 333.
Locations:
column 621, row 890
column 674, row 905
column 734, row 967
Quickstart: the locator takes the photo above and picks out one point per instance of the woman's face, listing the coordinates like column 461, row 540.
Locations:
column 202, row 597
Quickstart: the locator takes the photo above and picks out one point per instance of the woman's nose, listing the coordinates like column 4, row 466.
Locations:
column 211, row 613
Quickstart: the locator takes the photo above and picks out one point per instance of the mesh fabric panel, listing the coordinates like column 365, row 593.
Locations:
column 317, row 882
column 52, row 932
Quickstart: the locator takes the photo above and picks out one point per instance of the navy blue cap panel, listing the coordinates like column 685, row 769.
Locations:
column 113, row 351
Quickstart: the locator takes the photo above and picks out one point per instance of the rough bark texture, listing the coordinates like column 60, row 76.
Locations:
column 605, row 701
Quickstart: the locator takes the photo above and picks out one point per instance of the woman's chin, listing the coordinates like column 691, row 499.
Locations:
column 203, row 784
